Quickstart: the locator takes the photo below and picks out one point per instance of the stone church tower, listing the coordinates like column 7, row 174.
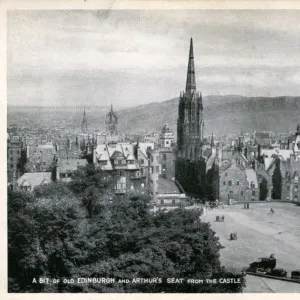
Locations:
column 84, row 126
column 111, row 122
column 190, row 122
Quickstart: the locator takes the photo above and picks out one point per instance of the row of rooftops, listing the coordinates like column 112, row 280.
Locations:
column 129, row 154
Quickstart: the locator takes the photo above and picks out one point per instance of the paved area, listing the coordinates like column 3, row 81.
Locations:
column 259, row 234
column 257, row 284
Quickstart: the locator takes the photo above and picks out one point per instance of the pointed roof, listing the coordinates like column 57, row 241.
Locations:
column 298, row 129
column 190, row 80
column 111, row 116
column 84, row 122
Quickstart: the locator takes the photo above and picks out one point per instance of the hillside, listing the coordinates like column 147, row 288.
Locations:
column 222, row 114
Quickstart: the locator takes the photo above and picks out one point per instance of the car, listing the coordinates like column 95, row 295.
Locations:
column 277, row 272
column 295, row 274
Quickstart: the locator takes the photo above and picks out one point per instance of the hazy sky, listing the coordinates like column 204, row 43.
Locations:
column 136, row 57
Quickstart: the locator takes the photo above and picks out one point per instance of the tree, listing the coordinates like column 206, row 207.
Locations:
column 263, row 189
column 69, row 231
column 276, row 180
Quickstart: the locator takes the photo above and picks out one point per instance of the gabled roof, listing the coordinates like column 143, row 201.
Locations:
column 117, row 154
column 251, row 177
column 70, row 165
column 34, row 179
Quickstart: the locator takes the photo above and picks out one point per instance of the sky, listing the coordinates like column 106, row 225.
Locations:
column 133, row 57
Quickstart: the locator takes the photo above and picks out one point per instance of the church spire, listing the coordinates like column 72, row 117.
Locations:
column 190, row 80
column 84, row 123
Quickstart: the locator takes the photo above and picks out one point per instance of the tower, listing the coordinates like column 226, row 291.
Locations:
column 111, row 122
column 166, row 137
column 84, row 128
column 190, row 122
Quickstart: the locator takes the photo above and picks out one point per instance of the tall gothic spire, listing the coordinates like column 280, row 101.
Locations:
column 190, row 80
column 84, row 123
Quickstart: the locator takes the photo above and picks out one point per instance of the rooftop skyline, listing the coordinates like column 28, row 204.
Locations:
column 131, row 57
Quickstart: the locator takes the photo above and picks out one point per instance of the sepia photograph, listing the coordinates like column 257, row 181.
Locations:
column 153, row 150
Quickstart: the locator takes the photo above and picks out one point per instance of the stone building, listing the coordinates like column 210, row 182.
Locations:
column 190, row 165
column 28, row 181
column 166, row 137
column 167, row 162
column 15, row 151
column 67, row 167
column 289, row 165
column 40, row 158
column 190, row 122
column 191, row 157
column 128, row 162
column 238, row 183
column 111, row 122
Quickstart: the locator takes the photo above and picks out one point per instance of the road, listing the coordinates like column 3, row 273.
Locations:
column 259, row 234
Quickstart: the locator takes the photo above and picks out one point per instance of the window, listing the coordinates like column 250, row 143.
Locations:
column 164, row 156
column 120, row 186
column 157, row 169
column 151, row 170
column 288, row 188
column 296, row 188
column 242, row 193
column 225, row 174
column 121, row 173
column 224, row 182
column 253, row 193
column 164, row 167
column 162, row 201
column 142, row 161
column 167, row 142
column 237, row 182
column 229, row 182
column 142, row 171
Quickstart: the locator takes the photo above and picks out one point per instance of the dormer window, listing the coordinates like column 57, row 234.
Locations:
column 296, row 177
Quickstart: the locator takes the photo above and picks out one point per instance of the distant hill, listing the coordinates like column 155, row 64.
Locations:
column 222, row 114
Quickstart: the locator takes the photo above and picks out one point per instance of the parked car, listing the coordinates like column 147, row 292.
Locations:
column 278, row 272
column 295, row 275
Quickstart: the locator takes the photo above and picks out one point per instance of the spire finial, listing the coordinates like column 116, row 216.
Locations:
column 190, row 80
column 84, row 122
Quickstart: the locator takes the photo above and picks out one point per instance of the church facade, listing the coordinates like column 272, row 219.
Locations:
column 190, row 166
